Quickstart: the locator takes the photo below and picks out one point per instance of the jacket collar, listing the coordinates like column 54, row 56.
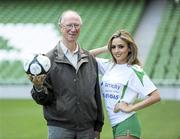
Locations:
column 60, row 57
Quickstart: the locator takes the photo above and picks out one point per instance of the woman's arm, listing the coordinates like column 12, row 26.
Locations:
column 98, row 51
column 153, row 98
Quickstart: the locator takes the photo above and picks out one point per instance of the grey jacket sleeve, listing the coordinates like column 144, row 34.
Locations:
column 44, row 96
column 100, row 115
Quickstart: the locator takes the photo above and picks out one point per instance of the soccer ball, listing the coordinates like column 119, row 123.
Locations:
column 37, row 64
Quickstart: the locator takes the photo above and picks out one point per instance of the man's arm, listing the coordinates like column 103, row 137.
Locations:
column 40, row 92
column 100, row 116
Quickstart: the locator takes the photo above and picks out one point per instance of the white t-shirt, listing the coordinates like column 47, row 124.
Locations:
column 122, row 82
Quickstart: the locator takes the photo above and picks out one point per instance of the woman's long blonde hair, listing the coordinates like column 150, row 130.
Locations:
column 126, row 36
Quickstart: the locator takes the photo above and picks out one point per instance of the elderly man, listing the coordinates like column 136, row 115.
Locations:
column 70, row 92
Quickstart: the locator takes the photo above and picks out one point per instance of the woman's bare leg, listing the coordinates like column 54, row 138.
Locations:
column 126, row 137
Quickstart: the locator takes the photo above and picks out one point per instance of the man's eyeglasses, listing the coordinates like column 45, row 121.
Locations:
column 70, row 26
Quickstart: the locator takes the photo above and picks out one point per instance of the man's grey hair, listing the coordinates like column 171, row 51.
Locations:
column 61, row 18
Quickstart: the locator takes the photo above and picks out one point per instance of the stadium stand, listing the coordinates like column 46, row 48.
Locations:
column 18, row 20
column 4, row 44
column 163, row 61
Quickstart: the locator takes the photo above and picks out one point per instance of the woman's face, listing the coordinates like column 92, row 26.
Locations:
column 120, row 50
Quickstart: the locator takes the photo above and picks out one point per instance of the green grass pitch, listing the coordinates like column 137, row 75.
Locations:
column 23, row 119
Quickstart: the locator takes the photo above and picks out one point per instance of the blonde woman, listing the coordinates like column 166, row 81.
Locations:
column 123, row 79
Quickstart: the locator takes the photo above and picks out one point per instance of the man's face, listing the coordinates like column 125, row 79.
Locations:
column 70, row 27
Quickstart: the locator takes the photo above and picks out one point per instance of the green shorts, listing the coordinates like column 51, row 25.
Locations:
column 129, row 126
